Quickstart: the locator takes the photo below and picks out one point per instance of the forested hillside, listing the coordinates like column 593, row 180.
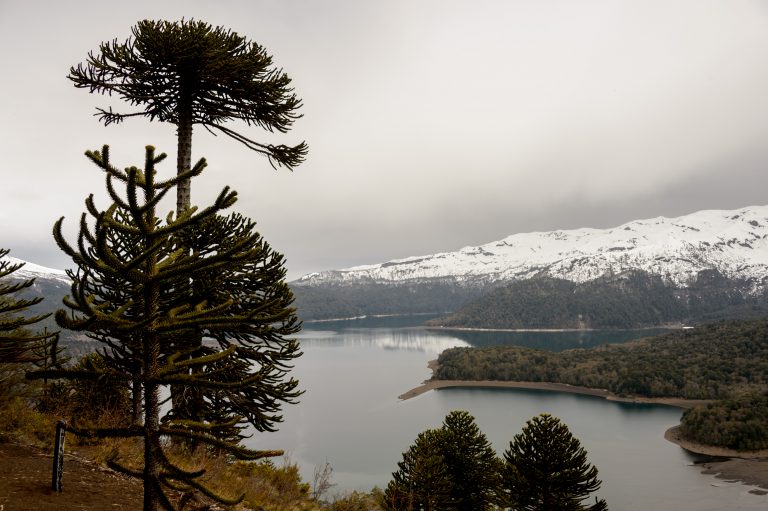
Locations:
column 333, row 301
column 715, row 361
column 633, row 299
column 53, row 291
column 738, row 423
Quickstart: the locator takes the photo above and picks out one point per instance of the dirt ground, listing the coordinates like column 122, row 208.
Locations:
column 25, row 484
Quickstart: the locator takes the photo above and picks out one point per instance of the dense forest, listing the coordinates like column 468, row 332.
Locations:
column 331, row 301
column 738, row 423
column 633, row 299
column 725, row 361
column 714, row 361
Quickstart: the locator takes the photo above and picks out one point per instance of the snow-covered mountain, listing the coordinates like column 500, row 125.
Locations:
column 49, row 283
column 733, row 242
column 35, row 271
column 708, row 260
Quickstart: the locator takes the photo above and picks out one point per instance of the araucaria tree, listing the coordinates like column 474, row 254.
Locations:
column 19, row 347
column 453, row 468
column 131, row 291
column 472, row 463
column 188, row 72
column 546, row 469
column 422, row 481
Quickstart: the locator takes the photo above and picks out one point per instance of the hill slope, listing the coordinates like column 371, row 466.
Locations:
column 681, row 253
column 634, row 299
column 677, row 249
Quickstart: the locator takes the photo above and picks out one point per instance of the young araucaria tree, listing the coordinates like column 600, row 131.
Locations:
column 546, row 469
column 19, row 347
column 423, row 480
column 453, row 468
column 131, row 291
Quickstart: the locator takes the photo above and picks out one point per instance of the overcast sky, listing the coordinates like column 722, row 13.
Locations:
column 432, row 124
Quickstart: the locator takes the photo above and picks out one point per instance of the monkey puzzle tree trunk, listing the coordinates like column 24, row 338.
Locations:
column 184, row 156
column 152, row 491
column 136, row 400
column 185, row 401
column 151, row 369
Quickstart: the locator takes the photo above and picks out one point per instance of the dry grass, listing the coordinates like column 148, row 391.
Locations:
column 264, row 484
column 21, row 423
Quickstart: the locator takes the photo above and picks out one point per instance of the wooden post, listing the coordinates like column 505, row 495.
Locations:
column 58, row 456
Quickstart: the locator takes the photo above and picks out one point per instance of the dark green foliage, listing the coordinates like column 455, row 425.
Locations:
column 144, row 287
column 632, row 299
column 455, row 468
column 423, row 480
column 249, row 280
column 708, row 362
column 53, row 291
column 20, row 348
column 740, row 423
column 189, row 71
column 17, row 344
column 546, row 469
column 471, row 461
column 450, row 468
column 726, row 361
column 329, row 301
column 186, row 73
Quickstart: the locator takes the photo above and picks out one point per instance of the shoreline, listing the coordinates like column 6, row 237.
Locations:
column 428, row 385
column 676, row 326
column 366, row 316
column 551, row 387
column 673, row 435
column 748, row 467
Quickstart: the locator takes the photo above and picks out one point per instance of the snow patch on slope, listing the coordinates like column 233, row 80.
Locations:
column 33, row 271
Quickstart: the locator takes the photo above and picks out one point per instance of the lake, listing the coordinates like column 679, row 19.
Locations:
column 350, row 415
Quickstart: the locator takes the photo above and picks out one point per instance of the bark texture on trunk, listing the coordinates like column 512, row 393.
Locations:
column 153, row 495
column 152, row 490
column 186, row 402
column 136, row 399
column 184, row 159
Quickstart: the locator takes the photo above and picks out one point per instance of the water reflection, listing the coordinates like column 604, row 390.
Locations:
column 394, row 321
column 404, row 339
column 544, row 340
column 551, row 341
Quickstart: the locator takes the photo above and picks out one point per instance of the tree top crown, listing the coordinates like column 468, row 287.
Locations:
column 190, row 71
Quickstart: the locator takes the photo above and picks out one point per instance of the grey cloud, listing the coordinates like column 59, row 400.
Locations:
column 432, row 125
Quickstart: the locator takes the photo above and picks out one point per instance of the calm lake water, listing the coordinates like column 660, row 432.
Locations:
column 350, row 416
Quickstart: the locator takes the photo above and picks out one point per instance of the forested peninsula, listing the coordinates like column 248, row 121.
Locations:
column 724, row 361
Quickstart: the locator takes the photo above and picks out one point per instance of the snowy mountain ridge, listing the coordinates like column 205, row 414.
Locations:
column 734, row 242
column 35, row 271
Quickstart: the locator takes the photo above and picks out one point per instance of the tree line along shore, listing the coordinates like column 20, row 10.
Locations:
column 718, row 372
